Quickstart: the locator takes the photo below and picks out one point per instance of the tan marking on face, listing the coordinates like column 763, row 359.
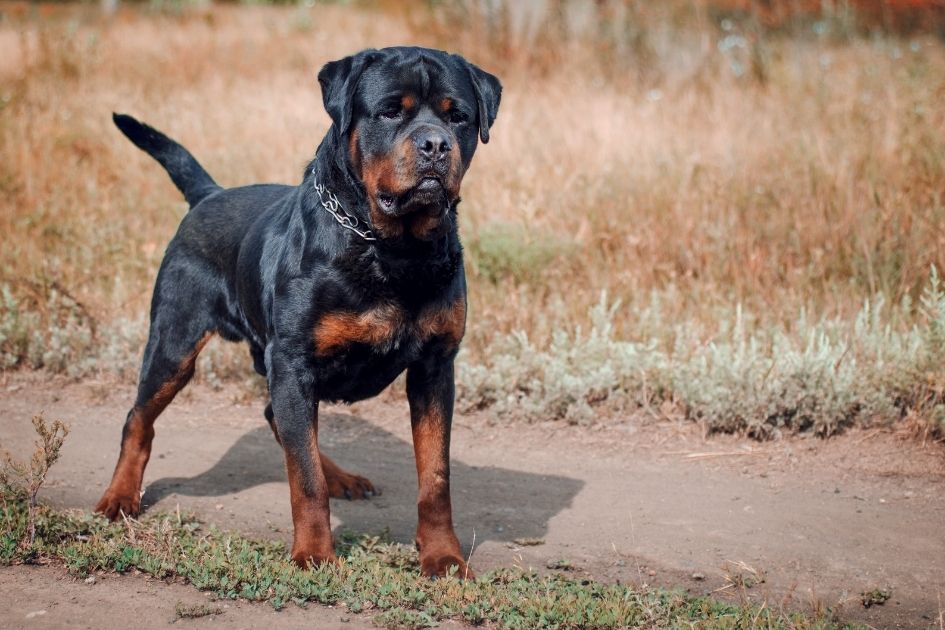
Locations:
column 454, row 178
column 393, row 173
column 374, row 172
column 448, row 322
column 354, row 151
column 407, row 101
column 396, row 173
column 422, row 224
column 446, row 104
column 336, row 331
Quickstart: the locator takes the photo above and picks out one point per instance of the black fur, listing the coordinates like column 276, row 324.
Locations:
column 185, row 171
column 267, row 263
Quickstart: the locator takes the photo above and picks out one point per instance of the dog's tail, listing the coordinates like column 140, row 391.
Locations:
column 185, row 171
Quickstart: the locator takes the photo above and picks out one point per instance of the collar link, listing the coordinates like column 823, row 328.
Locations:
column 347, row 220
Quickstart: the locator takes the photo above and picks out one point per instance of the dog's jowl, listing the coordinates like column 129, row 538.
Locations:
column 338, row 284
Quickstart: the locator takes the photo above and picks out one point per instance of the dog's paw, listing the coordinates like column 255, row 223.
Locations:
column 113, row 504
column 344, row 485
column 434, row 565
column 313, row 559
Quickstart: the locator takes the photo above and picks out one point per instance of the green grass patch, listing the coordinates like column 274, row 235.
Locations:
column 374, row 575
column 503, row 251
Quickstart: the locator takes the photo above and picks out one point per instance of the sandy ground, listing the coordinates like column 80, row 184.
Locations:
column 46, row 597
column 635, row 501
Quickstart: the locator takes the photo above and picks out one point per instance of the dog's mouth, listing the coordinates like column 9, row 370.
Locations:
column 428, row 194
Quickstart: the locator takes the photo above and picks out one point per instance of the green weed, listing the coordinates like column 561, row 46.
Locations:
column 235, row 567
column 24, row 480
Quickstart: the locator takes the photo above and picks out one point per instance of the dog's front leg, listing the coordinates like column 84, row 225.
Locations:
column 430, row 390
column 295, row 407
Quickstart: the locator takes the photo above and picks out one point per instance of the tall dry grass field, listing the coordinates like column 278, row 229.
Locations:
column 713, row 175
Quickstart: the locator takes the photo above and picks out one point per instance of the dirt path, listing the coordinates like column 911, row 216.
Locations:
column 638, row 502
column 46, row 597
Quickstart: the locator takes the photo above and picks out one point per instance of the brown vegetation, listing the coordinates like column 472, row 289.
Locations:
column 678, row 151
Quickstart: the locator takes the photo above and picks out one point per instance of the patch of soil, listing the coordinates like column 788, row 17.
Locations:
column 45, row 597
column 804, row 524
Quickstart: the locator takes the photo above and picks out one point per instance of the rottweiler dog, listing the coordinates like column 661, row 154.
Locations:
column 338, row 284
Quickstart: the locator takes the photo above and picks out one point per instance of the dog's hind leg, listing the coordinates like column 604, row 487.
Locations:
column 341, row 483
column 169, row 359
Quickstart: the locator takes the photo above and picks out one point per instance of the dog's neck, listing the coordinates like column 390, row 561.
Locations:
column 331, row 168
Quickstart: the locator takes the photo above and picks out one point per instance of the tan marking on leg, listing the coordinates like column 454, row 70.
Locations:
column 165, row 394
column 341, row 483
column 436, row 540
column 124, row 491
column 311, row 519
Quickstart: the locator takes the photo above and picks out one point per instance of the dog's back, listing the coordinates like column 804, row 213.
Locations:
column 217, row 226
column 219, row 221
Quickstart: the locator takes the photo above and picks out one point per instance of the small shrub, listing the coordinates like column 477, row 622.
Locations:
column 43, row 326
column 815, row 376
column 503, row 251
column 24, row 479
column 876, row 597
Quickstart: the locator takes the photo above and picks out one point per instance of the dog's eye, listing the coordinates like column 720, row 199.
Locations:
column 392, row 114
column 457, row 117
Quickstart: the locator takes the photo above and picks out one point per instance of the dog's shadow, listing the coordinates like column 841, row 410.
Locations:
column 498, row 503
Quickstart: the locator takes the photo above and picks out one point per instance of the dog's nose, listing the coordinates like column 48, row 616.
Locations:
column 433, row 144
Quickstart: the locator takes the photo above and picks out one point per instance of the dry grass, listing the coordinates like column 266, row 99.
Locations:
column 661, row 151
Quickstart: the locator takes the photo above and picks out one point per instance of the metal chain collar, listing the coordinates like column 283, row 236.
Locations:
column 330, row 202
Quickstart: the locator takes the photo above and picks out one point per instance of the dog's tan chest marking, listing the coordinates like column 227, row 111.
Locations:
column 336, row 331
column 380, row 326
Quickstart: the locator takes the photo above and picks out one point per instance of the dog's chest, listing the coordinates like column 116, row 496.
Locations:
column 360, row 353
column 387, row 328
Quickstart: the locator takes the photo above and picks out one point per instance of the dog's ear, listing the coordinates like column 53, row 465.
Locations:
column 339, row 79
column 488, row 94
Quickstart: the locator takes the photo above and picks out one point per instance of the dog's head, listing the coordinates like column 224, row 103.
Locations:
column 409, row 119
